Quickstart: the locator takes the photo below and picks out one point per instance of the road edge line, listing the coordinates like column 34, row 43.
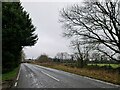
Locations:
column 15, row 84
column 17, row 77
column 18, row 74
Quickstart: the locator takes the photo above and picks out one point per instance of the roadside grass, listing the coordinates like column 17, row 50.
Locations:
column 105, row 75
column 112, row 65
column 9, row 78
column 10, row 75
column 0, row 73
column 0, row 77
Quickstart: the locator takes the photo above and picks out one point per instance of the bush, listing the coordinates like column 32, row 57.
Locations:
column 43, row 58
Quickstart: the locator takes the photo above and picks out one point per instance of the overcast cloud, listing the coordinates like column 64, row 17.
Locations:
column 45, row 16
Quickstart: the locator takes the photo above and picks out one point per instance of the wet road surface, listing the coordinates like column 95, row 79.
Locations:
column 34, row 76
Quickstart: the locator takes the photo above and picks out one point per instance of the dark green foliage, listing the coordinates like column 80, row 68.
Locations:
column 17, row 32
column 56, row 60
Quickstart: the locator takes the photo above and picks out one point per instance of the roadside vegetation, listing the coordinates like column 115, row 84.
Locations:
column 10, row 75
column 9, row 78
column 17, row 32
column 114, row 66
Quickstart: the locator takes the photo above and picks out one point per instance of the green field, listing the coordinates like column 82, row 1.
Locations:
column 10, row 75
column 112, row 65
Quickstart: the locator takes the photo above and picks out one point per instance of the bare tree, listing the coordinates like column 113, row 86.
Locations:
column 79, row 53
column 99, row 21
column 62, row 56
column 81, row 50
column 59, row 56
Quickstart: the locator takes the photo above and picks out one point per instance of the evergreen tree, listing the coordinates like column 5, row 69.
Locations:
column 17, row 32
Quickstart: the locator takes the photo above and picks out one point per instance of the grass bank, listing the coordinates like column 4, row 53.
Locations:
column 105, row 75
column 9, row 77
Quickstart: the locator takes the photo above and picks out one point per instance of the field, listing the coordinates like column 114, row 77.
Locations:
column 112, row 65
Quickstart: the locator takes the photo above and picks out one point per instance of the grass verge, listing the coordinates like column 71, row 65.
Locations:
column 9, row 77
column 104, row 75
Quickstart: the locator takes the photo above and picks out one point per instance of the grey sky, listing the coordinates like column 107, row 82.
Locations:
column 45, row 16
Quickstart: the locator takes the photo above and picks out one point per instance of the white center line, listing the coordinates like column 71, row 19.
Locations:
column 50, row 76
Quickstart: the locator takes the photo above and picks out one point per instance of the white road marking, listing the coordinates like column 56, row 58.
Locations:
column 16, row 84
column 18, row 75
column 50, row 76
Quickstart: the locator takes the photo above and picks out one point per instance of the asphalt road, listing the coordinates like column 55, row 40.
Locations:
column 34, row 76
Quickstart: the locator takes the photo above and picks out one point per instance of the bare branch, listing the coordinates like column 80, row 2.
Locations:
column 96, row 21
